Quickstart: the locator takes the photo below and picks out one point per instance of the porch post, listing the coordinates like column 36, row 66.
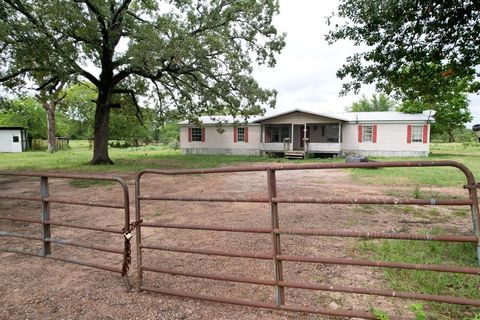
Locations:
column 305, row 148
column 291, row 138
column 339, row 132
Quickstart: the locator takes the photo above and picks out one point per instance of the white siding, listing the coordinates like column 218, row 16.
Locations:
column 391, row 141
column 221, row 143
column 6, row 140
column 324, row 147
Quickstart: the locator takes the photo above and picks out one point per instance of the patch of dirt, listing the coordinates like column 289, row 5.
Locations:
column 35, row 288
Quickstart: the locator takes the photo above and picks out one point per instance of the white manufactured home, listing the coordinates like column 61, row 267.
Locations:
column 13, row 139
column 299, row 132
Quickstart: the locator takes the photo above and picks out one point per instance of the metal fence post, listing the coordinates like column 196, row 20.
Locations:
column 45, row 207
column 138, row 233
column 277, row 264
column 472, row 193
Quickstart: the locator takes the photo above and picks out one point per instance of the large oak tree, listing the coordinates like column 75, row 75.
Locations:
column 192, row 55
column 410, row 46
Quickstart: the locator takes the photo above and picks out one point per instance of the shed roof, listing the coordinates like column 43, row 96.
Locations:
column 12, row 128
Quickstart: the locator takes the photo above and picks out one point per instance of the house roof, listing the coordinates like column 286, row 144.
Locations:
column 325, row 114
column 385, row 116
column 221, row 119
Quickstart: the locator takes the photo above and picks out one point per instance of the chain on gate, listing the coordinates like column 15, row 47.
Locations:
column 127, row 252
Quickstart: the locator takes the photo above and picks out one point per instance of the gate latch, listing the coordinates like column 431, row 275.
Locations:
column 472, row 186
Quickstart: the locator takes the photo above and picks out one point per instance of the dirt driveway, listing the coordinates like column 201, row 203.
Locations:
column 35, row 288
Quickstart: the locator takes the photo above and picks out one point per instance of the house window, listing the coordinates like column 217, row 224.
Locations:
column 196, row 134
column 367, row 133
column 16, row 139
column 417, row 133
column 280, row 133
column 241, row 134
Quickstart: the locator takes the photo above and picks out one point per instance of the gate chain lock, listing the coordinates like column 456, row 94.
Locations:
column 127, row 256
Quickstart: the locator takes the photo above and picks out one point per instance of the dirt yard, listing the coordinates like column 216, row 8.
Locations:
column 36, row 288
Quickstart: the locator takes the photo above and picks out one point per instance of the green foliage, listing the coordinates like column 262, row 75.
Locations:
column 421, row 45
column 429, row 282
column 462, row 135
column 381, row 102
column 451, row 108
column 192, row 56
column 380, row 314
column 26, row 113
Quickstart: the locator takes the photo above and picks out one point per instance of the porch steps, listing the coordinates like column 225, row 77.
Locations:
column 294, row 154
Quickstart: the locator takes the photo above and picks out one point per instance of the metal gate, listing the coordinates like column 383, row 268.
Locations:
column 276, row 230
column 45, row 199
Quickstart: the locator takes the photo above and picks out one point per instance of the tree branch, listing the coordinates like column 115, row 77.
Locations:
column 133, row 96
column 14, row 74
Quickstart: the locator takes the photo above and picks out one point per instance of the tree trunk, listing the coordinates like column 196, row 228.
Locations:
column 450, row 136
column 52, row 135
column 100, row 134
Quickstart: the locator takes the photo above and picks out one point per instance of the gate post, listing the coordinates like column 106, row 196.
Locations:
column 472, row 192
column 277, row 264
column 138, row 233
column 45, row 208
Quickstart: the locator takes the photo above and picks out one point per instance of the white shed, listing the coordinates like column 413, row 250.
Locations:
column 12, row 139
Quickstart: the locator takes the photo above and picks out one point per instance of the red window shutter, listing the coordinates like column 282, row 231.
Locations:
column 268, row 134
column 246, row 134
column 374, row 133
column 409, row 133
column 203, row 134
column 235, row 134
column 359, row 134
column 189, row 134
column 425, row 133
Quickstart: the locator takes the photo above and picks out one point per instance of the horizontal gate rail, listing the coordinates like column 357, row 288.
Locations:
column 46, row 199
column 276, row 231
column 386, row 201
column 62, row 224
column 238, row 254
column 54, row 200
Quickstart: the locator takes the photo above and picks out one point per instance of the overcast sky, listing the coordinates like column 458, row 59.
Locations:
column 305, row 72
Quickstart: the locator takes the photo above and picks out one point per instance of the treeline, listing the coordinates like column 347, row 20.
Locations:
column 75, row 116
column 452, row 113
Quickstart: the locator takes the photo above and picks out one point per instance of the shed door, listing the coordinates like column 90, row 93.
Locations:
column 5, row 141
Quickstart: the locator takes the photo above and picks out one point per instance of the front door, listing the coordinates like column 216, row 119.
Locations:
column 302, row 142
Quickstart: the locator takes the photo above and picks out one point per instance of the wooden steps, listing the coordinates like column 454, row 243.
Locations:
column 294, row 154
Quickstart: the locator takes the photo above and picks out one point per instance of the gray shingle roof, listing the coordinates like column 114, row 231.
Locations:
column 342, row 116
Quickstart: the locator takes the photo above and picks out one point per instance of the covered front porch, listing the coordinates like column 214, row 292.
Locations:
column 301, row 138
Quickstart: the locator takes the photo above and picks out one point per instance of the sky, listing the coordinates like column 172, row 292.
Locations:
column 305, row 74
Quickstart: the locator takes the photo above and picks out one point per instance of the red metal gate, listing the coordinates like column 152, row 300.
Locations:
column 45, row 199
column 274, row 228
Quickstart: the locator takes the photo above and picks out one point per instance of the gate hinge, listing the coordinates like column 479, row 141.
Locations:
column 472, row 186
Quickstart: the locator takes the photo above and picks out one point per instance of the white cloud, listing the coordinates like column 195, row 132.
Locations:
column 305, row 74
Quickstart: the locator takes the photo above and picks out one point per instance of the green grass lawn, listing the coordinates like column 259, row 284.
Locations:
column 125, row 159
column 136, row 159
column 435, row 176
column 429, row 282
